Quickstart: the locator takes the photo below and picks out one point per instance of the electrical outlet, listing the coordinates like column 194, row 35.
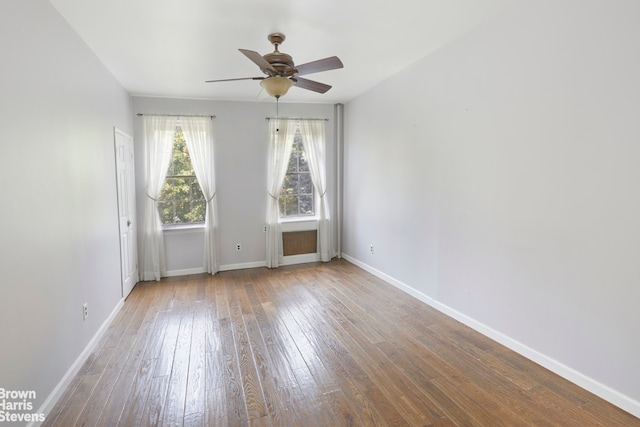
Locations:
column 85, row 311
column 238, row 247
column 371, row 248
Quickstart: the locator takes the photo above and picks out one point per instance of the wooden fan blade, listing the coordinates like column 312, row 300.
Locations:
column 231, row 80
column 311, row 85
column 259, row 61
column 325, row 64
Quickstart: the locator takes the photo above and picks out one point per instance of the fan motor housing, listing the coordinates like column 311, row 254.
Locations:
column 279, row 60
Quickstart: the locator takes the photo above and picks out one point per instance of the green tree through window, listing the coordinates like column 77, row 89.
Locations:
column 181, row 200
column 297, row 193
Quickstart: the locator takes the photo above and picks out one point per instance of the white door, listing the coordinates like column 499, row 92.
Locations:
column 126, row 211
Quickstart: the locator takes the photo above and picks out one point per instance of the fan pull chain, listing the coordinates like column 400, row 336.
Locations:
column 277, row 111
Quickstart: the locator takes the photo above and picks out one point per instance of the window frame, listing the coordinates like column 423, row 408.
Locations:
column 299, row 140
column 180, row 225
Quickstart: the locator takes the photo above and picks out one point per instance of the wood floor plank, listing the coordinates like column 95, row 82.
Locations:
column 322, row 344
column 155, row 402
column 284, row 340
column 417, row 363
column 70, row 392
column 215, row 408
column 168, row 347
column 173, row 408
column 214, row 376
column 139, row 394
column 196, row 379
column 520, row 400
column 481, row 404
column 339, row 363
column 413, row 367
column 281, row 402
column 562, row 397
column 222, row 307
column 250, row 380
column 73, row 407
column 392, row 382
column 259, row 313
column 140, row 338
column 518, row 391
column 236, row 407
column 103, row 391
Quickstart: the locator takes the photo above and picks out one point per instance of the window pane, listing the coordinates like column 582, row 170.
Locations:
column 290, row 184
column 165, row 208
column 297, row 193
column 305, row 184
column 291, row 207
column 194, row 188
column 180, row 161
column 293, row 162
column 303, row 165
column 306, row 205
column 181, row 200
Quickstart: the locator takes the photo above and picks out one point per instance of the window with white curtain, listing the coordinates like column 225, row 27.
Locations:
column 181, row 200
column 310, row 134
column 160, row 138
column 297, row 194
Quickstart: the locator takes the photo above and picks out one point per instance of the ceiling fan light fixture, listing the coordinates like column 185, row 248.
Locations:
column 281, row 71
column 276, row 86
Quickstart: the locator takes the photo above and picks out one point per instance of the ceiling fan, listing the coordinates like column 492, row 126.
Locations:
column 281, row 72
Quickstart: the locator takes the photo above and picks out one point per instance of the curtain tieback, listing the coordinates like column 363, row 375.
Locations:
column 322, row 195
column 272, row 196
column 211, row 198
column 155, row 200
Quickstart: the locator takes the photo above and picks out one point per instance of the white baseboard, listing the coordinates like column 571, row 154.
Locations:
column 185, row 272
column 53, row 397
column 605, row 392
column 288, row 260
column 242, row 266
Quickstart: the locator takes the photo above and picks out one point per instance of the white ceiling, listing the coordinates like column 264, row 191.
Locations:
column 168, row 48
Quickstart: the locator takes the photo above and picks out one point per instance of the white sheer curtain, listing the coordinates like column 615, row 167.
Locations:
column 281, row 135
column 313, row 138
column 198, row 134
column 158, row 138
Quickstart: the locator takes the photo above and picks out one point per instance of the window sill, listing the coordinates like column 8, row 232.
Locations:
column 299, row 224
column 183, row 227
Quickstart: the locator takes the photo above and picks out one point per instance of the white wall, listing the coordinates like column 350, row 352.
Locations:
column 240, row 139
column 59, row 245
column 499, row 179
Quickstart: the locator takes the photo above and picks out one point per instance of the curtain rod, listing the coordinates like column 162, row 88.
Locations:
column 176, row 115
column 293, row 118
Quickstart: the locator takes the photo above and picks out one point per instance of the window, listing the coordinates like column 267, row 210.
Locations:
column 181, row 200
column 297, row 192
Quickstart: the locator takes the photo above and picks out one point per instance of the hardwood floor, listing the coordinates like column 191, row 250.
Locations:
column 311, row 345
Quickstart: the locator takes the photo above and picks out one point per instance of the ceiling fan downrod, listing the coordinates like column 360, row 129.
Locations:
column 276, row 39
